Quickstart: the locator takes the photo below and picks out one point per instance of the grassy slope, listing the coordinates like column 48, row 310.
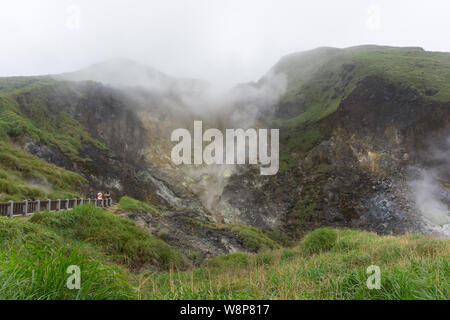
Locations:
column 412, row 267
column 25, row 112
column 116, row 256
column 251, row 237
column 129, row 204
column 315, row 75
column 118, row 238
column 35, row 254
column 23, row 176
column 317, row 84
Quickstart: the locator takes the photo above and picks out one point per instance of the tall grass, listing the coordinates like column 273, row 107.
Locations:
column 118, row 238
column 412, row 267
column 34, row 262
column 130, row 204
column 109, row 250
column 23, row 175
column 41, row 273
column 35, row 254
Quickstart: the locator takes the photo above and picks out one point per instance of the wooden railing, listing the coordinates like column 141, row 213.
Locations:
column 23, row 208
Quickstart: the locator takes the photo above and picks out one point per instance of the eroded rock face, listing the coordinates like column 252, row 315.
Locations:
column 186, row 231
column 359, row 175
column 377, row 142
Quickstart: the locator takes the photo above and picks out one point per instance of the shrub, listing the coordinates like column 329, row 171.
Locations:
column 237, row 259
column 254, row 238
column 288, row 254
column 319, row 240
column 163, row 233
column 279, row 237
column 128, row 203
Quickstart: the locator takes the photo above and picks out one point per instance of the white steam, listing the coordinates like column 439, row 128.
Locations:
column 185, row 100
column 429, row 197
column 432, row 186
column 154, row 89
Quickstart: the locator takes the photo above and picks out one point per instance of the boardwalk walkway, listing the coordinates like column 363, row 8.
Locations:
column 23, row 208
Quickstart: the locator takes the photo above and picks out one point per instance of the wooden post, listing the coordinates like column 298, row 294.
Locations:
column 25, row 209
column 81, row 201
column 75, row 202
column 58, row 207
column 11, row 208
column 38, row 206
column 49, row 205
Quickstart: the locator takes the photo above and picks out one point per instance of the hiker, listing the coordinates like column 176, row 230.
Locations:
column 108, row 198
column 99, row 197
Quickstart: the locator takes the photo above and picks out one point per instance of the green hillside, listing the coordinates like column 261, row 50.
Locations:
column 35, row 255
column 35, row 108
column 319, row 80
column 326, row 264
column 24, row 176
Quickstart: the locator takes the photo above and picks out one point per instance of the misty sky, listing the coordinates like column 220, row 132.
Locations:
column 222, row 41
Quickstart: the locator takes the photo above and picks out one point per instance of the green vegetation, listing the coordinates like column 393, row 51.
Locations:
column 287, row 161
column 34, row 260
column 318, row 80
column 319, row 240
column 16, row 83
column 110, row 251
column 224, row 262
column 38, row 111
column 118, row 259
column 412, row 267
column 253, row 238
column 23, row 175
column 410, row 67
column 119, row 239
column 305, row 207
column 35, row 109
column 304, row 211
column 128, row 203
